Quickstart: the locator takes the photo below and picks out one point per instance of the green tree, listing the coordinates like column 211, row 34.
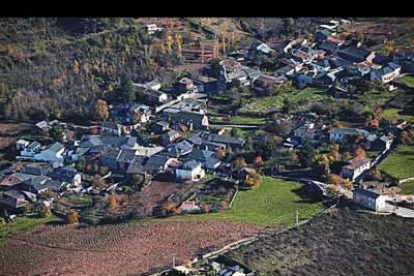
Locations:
column 56, row 133
column 306, row 154
column 127, row 89
column 289, row 24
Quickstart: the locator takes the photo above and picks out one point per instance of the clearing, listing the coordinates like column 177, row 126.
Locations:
column 407, row 188
column 400, row 164
column 304, row 99
column 274, row 203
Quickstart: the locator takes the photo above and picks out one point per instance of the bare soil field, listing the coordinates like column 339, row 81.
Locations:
column 123, row 249
column 345, row 243
column 6, row 142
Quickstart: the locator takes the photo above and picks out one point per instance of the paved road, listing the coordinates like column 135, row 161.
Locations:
column 399, row 211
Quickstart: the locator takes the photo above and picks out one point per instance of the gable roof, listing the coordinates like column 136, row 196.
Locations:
column 357, row 162
column 353, row 53
column 366, row 193
column 56, row 147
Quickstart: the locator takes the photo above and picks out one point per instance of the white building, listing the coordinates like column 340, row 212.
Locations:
column 191, row 171
column 369, row 199
column 356, row 167
column 52, row 154
column 21, row 144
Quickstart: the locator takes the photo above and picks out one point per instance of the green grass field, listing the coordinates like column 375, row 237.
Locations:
column 274, row 203
column 400, row 164
column 392, row 113
column 305, row 97
column 407, row 188
column 22, row 224
column 408, row 80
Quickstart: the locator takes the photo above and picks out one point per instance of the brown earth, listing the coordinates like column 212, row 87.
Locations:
column 123, row 249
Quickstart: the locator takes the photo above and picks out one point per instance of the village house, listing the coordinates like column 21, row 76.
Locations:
column 191, row 105
column 206, row 85
column 10, row 181
column 184, row 85
column 40, row 169
column 356, row 166
column 42, row 128
column 156, row 97
column 178, row 149
column 190, row 207
column 152, row 28
column 21, row 144
column 160, row 127
column 369, row 199
column 52, row 154
column 111, row 127
column 142, row 110
column 387, row 73
column 308, row 131
column 340, row 134
column 169, row 137
column 356, row 54
column 152, row 85
column 157, row 164
column 67, row 174
column 213, row 141
column 14, row 202
column 190, row 171
column 193, row 120
column 207, row 158
column 264, row 84
column 31, row 150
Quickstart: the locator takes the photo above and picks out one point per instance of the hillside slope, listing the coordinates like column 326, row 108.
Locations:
column 347, row 243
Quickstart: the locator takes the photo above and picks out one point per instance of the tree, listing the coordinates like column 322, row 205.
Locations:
column 45, row 211
column 239, row 163
column 332, row 191
column 168, row 206
column 325, row 160
column 136, row 118
column 359, row 152
column 103, row 170
column 258, row 161
column 56, row 133
column 113, row 203
column 127, row 90
column 306, row 154
column 101, row 110
column 206, row 208
column 254, row 181
column 221, row 153
column 375, row 174
column 81, row 165
column 72, row 217
column 335, row 179
column 289, row 24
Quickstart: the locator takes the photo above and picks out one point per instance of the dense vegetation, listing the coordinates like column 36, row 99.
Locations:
column 61, row 66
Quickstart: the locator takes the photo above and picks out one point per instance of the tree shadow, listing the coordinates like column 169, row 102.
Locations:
column 309, row 194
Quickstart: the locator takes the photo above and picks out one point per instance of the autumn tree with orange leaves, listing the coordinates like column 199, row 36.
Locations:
column 101, row 110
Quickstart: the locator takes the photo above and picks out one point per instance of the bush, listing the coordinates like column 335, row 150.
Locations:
column 72, row 217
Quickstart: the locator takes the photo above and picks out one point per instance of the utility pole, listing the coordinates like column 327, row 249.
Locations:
column 297, row 218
